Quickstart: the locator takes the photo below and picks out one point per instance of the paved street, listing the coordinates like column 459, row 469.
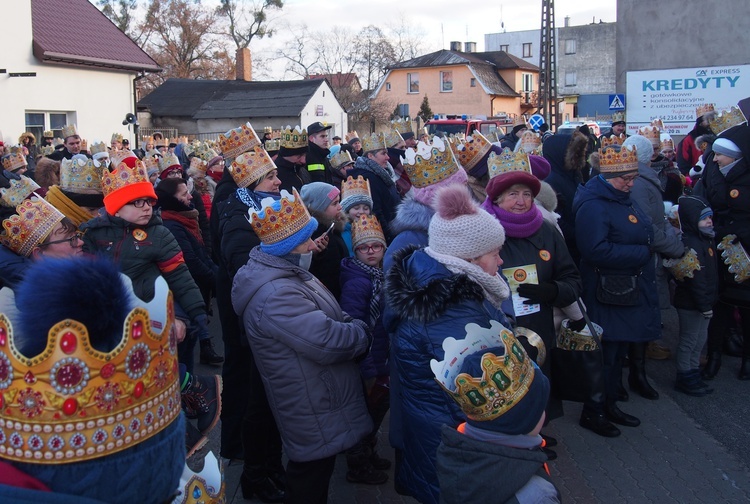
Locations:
column 687, row 450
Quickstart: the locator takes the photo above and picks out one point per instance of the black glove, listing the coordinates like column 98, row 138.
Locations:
column 577, row 325
column 545, row 292
column 5, row 178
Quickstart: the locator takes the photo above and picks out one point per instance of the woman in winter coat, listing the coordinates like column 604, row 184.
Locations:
column 431, row 294
column 615, row 237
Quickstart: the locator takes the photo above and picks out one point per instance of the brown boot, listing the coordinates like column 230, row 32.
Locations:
column 656, row 351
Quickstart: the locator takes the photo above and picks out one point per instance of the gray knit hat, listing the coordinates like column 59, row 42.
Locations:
column 726, row 147
column 318, row 195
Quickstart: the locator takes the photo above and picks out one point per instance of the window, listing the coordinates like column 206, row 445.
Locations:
column 570, row 46
column 528, row 82
column 38, row 122
column 504, row 48
column 527, row 50
column 570, row 78
column 387, row 86
column 473, row 82
column 412, row 83
column 446, row 82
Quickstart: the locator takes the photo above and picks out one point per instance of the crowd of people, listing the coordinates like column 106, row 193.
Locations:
column 429, row 278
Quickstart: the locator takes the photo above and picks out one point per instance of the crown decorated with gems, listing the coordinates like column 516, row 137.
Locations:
column 18, row 191
column 683, row 267
column 340, row 158
column 273, row 145
column 392, row 138
column 667, row 142
column 73, row 403
column 402, row 125
column 238, row 140
column 272, row 225
column 14, row 159
column 653, row 133
column 69, row 130
column 735, row 256
column 48, row 134
column 167, row 161
column 116, row 157
column 704, row 109
column 470, row 151
column 116, row 137
column 33, row 221
column 658, row 123
column 98, row 147
column 618, row 117
column 365, row 229
column 359, row 186
column 197, row 165
column 147, row 140
column 612, row 160
column 430, row 163
column 81, row 175
column 205, row 487
column 151, row 162
column 350, row 135
column 293, row 138
column 505, row 378
column 507, row 161
column 531, row 142
column 726, row 119
column 205, row 152
column 613, row 140
column 267, row 129
column 251, row 166
column 373, row 142
column 46, row 150
column 122, row 176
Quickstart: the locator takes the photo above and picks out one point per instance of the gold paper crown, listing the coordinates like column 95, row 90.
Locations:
column 652, row 133
column 365, row 229
column 735, row 256
column 15, row 159
column 197, row 165
column 508, row 161
column 205, row 487
column 505, row 378
column 147, row 140
column 613, row 140
column 98, row 147
column 430, row 163
column 57, row 142
column 167, row 161
column 393, row 138
column 351, row 134
column 354, row 187
column 151, row 162
column 293, row 138
column 402, row 125
column 683, row 267
column 238, row 140
column 726, row 119
column 470, row 151
column 18, row 191
column 658, row 123
column 122, row 176
column 272, row 145
column 613, row 161
column 69, row 130
column 373, row 142
column 339, row 159
column 272, row 225
column 531, row 142
column 618, row 117
column 267, row 129
column 704, row 109
column 48, row 134
column 251, row 166
column 667, row 143
column 205, row 152
column 73, row 403
column 81, row 175
column 116, row 137
column 568, row 339
column 84, row 145
column 46, row 150
column 34, row 220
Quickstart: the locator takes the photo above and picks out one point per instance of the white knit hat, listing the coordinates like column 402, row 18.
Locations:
column 460, row 228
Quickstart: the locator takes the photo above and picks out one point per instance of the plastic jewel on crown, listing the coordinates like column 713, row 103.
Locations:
column 339, row 159
column 293, row 138
column 273, row 225
column 34, row 221
column 531, row 142
column 365, row 229
column 704, row 109
column 505, row 379
column 726, row 119
column 18, row 191
column 612, row 160
column 273, row 145
column 373, row 142
column 81, row 174
column 735, row 257
column 613, row 140
column 683, row 267
column 238, row 140
column 251, row 166
column 14, row 159
column 168, row 161
column 393, row 138
column 430, row 163
column 122, row 176
column 205, row 487
column 69, row 130
column 83, row 404
column 508, row 161
column 568, row 339
column 359, row 186
column 470, row 150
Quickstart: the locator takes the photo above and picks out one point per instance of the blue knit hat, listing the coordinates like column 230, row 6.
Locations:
column 282, row 224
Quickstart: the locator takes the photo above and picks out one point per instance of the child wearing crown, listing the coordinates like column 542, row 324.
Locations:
column 355, row 201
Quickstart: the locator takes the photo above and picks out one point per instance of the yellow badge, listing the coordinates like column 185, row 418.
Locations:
column 545, row 255
column 710, row 251
column 632, row 218
column 139, row 234
column 734, row 193
column 519, row 275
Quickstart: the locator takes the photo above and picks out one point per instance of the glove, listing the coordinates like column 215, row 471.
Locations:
column 708, row 314
column 545, row 292
column 577, row 325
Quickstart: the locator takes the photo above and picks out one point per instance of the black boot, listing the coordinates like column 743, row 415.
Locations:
column 711, row 369
column 745, row 369
column 616, row 415
column 255, row 481
column 208, row 354
column 622, row 393
column 637, row 378
column 598, row 424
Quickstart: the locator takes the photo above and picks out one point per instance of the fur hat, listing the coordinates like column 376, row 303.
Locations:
column 547, row 197
column 318, row 195
column 460, row 228
column 644, row 147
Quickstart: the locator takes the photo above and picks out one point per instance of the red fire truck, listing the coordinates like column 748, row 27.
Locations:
column 442, row 125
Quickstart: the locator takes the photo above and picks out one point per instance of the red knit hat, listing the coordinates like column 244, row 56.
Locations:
column 128, row 182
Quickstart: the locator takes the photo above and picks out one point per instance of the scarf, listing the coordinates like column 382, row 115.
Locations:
column 59, row 200
column 495, row 289
column 516, row 225
column 371, row 166
column 188, row 218
column 252, row 199
column 376, row 278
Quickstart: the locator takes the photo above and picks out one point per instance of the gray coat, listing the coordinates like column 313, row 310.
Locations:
column 304, row 346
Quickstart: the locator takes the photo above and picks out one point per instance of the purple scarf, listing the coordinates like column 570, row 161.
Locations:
column 516, row 225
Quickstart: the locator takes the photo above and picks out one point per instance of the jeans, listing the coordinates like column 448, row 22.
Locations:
column 693, row 335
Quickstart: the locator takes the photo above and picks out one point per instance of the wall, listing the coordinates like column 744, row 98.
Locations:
column 333, row 112
column 514, row 41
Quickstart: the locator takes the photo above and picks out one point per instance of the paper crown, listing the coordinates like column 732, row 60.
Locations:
column 355, row 189
column 251, row 166
column 15, row 159
column 117, row 156
column 735, row 256
column 339, row 159
column 168, row 161
column 48, row 134
column 531, row 142
column 392, row 138
column 293, row 138
column 658, row 123
column 683, row 267
column 267, row 129
column 33, row 221
column 69, row 130
column 116, row 137
column 122, row 176
column 84, row 145
column 505, row 379
column 205, row 487
column 613, row 140
column 666, row 142
column 238, row 140
column 470, row 151
column 273, row 226
column 365, row 229
column 704, row 109
column 160, row 141
column 18, row 191
column 651, row 132
column 618, row 117
column 73, row 403
column 197, row 165
column 205, row 152
column 568, row 339
column 430, row 163
column 726, row 119
column 402, row 125
column 46, row 150
column 373, row 142
column 147, row 140
column 521, row 121
column 508, row 161
column 81, row 175
column 151, row 163
column 351, row 135
column 272, row 145
column 613, row 161
column 98, row 147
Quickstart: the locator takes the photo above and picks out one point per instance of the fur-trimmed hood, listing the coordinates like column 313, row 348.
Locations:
column 575, row 154
column 411, row 215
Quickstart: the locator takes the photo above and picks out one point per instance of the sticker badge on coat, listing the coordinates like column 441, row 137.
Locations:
column 545, row 255
column 632, row 218
column 734, row 193
column 710, row 251
column 139, row 234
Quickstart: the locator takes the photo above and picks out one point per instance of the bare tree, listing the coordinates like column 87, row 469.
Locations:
column 299, row 52
column 336, row 50
column 406, row 38
column 247, row 19
column 375, row 53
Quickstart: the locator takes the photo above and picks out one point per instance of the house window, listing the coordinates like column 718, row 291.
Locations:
column 527, row 50
column 412, row 82
column 38, row 122
column 446, row 82
column 570, row 78
column 570, row 46
column 528, row 82
column 473, row 82
column 504, row 48
column 387, row 86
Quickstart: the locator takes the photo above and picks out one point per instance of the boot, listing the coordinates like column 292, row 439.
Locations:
column 745, row 369
column 360, row 468
column 622, row 393
column 637, row 378
column 254, row 480
column 208, row 354
column 712, row 365
column 732, row 345
column 598, row 424
column 655, row 351
column 202, row 399
column 616, row 415
column 689, row 383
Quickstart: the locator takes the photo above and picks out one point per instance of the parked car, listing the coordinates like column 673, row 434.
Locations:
column 569, row 127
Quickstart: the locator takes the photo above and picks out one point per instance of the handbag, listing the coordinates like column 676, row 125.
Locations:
column 617, row 290
column 577, row 364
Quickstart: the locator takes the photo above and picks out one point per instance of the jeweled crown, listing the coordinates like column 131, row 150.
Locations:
column 507, row 161
column 735, row 257
column 373, row 142
column 531, row 142
column 273, row 225
column 613, row 160
column 151, row 163
column 350, row 135
column 14, row 159
column 81, row 175
column 505, row 378
column 293, row 138
column 658, row 124
column 430, row 163
column 205, row 152
column 652, row 133
column 393, row 138
column 238, row 140
column 116, row 137
column 73, row 403
column 48, row 134
column 116, row 157
column 402, row 125
column 98, row 147
column 33, row 221
column 704, row 109
column 251, row 166
column 685, row 266
column 618, row 117
column 46, row 150
column 168, row 161
column 726, row 119
column 613, row 140
column 272, row 145
column 359, row 186
column 197, row 165
column 122, row 176
column 341, row 158
column 469, row 151
column 69, row 130
column 18, row 191
column 365, row 229
column 666, row 142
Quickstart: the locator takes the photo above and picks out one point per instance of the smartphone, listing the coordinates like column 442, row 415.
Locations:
column 330, row 228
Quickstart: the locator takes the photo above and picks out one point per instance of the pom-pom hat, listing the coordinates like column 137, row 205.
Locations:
column 282, row 224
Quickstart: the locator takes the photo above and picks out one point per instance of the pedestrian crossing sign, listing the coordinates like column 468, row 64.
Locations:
column 616, row 102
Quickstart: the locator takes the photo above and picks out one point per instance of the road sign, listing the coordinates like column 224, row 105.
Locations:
column 616, row 102
column 536, row 121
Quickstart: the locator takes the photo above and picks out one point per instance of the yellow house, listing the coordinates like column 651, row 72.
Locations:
column 479, row 84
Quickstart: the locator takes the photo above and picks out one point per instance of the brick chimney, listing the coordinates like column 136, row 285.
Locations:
column 244, row 65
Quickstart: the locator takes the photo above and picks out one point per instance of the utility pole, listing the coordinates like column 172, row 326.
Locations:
column 548, row 65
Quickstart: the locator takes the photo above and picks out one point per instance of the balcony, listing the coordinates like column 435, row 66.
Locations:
column 529, row 99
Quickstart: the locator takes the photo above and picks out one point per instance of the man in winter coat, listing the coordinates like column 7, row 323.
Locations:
column 318, row 165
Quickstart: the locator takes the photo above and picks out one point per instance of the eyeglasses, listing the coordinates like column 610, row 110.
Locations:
column 629, row 178
column 139, row 203
column 375, row 247
column 73, row 241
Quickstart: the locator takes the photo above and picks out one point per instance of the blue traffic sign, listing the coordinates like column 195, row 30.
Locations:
column 617, row 102
column 536, row 121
